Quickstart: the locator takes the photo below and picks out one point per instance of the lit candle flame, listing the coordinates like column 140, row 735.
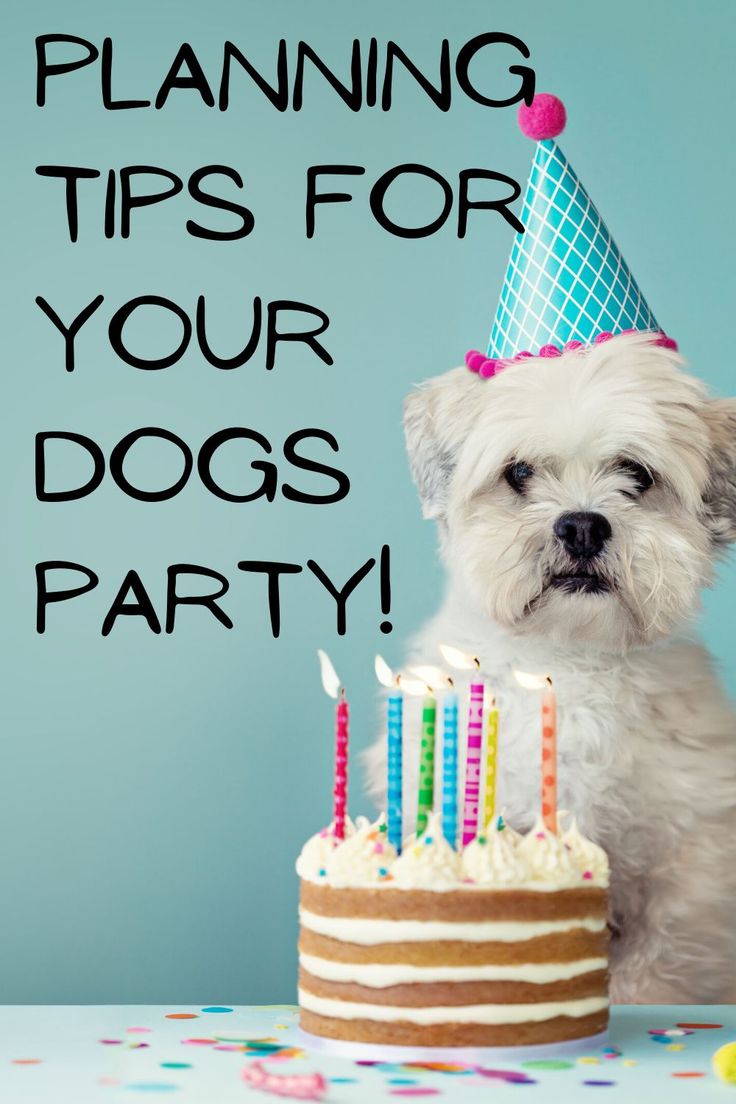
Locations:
column 330, row 681
column 461, row 661
column 415, row 687
column 432, row 676
column 532, row 681
column 384, row 674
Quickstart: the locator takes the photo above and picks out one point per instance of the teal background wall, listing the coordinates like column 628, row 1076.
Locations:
column 154, row 790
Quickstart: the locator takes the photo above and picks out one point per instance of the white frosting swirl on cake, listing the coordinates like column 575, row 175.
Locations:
column 312, row 862
column 493, row 858
column 548, row 858
column 364, row 858
column 429, row 863
column 591, row 860
column 499, row 857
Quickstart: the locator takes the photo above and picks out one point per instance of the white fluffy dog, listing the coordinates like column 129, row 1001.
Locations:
column 581, row 503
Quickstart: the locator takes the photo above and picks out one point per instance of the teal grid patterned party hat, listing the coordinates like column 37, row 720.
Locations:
column 566, row 285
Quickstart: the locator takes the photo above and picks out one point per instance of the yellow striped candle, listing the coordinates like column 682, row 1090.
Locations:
column 491, row 760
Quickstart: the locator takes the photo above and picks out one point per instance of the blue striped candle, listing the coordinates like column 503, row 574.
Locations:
column 395, row 726
column 449, row 769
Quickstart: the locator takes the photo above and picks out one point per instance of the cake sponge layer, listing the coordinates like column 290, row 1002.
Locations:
column 402, row 1033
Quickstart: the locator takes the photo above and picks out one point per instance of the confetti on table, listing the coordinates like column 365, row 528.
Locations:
column 701, row 1026
column 589, row 1060
column 599, row 1084
column 217, row 1008
column 438, row 1067
column 675, row 1046
column 344, row 1080
column 137, row 1030
column 111, row 1042
column 628, row 1062
column 303, row 1086
column 514, row 1077
column 688, row 1073
column 402, row 1081
column 420, row 1090
column 26, row 1061
column 176, row 1065
column 182, row 1016
column 199, row 1042
column 548, row 1064
column 724, row 1063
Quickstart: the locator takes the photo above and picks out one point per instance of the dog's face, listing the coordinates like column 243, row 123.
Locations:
column 582, row 498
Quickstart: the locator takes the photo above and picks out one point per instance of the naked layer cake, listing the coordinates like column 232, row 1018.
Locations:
column 502, row 944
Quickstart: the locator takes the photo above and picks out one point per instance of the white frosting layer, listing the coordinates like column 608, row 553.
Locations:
column 548, row 858
column 364, row 858
column 429, row 863
column 316, row 852
column 349, row 929
column 541, row 860
column 469, row 1013
column 588, row 856
column 379, row 976
column 494, row 858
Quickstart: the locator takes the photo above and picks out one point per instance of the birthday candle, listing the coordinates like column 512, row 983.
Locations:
column 449, row 768
column 394, row 738
column 331, row 684
column 340, row 788
column 491, row 760
column 425, row 801
column 549, row 744
column 471, row 798
column 549, row 757
column 395, row 725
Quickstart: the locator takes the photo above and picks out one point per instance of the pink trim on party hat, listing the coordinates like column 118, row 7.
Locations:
column 487, row 367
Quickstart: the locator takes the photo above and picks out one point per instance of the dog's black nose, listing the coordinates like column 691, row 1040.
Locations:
column 583, row 534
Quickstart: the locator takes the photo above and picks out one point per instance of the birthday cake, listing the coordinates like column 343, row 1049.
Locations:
column 500, row 943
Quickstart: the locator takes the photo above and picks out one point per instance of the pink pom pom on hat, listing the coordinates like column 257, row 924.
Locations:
column 544, row 117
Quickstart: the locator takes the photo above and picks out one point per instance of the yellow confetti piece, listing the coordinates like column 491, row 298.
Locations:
column 724, row 1063
column 628, row 1062
column 675, row 1046
column 588, row 1061
column 280, row 1027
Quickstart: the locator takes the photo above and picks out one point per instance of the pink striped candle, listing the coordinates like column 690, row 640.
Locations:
column 471, row 798
column 340, row 789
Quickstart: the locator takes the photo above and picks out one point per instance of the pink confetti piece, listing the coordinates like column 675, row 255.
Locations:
column 305, row 1086
column 420, row 1090
column 138, row 1030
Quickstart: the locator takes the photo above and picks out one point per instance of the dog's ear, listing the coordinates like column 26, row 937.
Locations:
column 720, row 494
column 436, row 421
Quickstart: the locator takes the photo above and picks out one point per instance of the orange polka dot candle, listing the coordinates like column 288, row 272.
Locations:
column 549, row 744
column 549, row 757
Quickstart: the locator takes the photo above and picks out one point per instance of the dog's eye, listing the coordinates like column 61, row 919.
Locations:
column 640, row 476
column 518, row 474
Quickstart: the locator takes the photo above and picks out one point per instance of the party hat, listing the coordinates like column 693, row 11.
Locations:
column 566, row 285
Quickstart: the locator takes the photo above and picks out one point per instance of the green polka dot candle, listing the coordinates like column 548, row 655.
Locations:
column 426, row 763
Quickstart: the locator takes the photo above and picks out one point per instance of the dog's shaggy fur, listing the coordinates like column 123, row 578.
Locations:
column 647, row 739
